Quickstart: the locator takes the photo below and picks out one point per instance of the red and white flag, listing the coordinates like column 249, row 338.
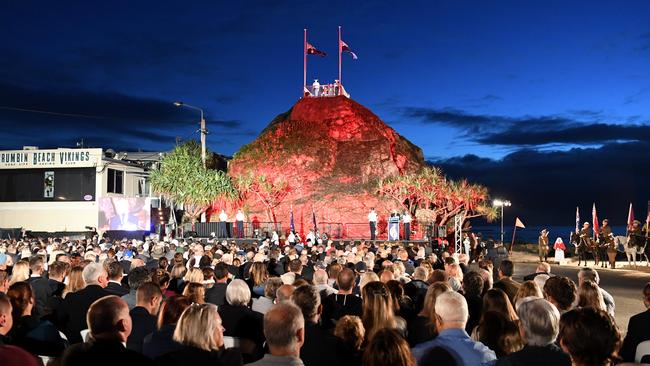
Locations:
column 343, row 47
column 594, row 218
column 311, row 50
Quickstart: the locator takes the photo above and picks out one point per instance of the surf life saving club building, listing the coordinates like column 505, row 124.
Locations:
column 72, row 191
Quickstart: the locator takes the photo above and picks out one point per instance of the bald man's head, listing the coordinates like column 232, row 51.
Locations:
column 108, row 319
column 284, row 293
column 284, row 328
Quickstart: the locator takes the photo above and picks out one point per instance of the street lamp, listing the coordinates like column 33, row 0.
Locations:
column 203, row 130
column 501, row 203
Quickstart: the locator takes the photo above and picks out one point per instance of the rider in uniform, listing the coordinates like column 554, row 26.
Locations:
column 606, row 239
column 635, row 234
column 585, row 233
column 542, row 243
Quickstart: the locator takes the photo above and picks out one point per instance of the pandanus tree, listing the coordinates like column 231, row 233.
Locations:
column 433, row 197
column 270, row 192
column 181, row 179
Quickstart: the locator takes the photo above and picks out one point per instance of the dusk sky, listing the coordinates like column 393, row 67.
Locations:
column 545, row 102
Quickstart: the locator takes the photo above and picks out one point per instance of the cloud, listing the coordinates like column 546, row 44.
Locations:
column 529, row 131
column 545, row 187
column 48, row 118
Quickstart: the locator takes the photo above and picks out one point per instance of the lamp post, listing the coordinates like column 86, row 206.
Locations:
column 203, row 130
column 501, row 203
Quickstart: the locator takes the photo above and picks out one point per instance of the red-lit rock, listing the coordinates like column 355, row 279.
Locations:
column 331, row 151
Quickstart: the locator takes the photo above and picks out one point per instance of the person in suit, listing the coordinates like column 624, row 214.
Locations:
column 242, row 322
column 539, row 324
column 143, row 315
column 319, row 348
column 56, row 275
column 40, row 284
column 637, row 329
column 506, row 283
column 115, row 274
column 200, row 331
column 217, row 293
column 71, row 318
column 110, row 326
column 284, row 328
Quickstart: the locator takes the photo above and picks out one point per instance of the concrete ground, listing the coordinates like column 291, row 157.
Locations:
column 624, row 284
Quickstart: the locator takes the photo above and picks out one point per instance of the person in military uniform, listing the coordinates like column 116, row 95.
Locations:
column 585, row 234
column 635, row 234
column 606, row 239
column 542, row 243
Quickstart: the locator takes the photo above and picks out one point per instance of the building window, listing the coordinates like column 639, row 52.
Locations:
column 115, row 181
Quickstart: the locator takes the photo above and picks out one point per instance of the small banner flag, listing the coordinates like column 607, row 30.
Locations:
column 520, row 224
column 311, row 50
column 630, row 217
column 594, row 219
column 577, row 219
column 291, row 224
column 313, row 217
column 345, row 48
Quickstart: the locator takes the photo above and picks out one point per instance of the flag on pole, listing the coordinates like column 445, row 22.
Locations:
column 594, row 219
column 313, row 218
column 520, row 224
column 577, row 219
column 311, row 50
column 291, row 224
column 630, row 217
column 343, row 47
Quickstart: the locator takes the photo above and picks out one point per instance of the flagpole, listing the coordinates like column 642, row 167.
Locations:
column 340, row 78
column 514, row 232
column 304, row 64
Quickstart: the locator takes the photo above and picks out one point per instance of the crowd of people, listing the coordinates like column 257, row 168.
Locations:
column 100, row 302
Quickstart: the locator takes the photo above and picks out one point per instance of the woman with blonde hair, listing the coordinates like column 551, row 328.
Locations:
column 200, row 332
column 193, row 275
column 366, row 278
column 20, row 272
column 195, row 292
column 527, row 289
column 75, row 281
column 258, row 276
column 423, row 327
column 589, row 296
column 378, row 310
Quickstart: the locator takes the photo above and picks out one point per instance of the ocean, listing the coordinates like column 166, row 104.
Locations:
column 531, row 233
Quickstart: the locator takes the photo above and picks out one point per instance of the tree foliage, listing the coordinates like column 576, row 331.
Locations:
column 182, row 179
column 269, row 192
column 431, row 196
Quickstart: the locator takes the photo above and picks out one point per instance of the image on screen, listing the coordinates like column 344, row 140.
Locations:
column 128, row 214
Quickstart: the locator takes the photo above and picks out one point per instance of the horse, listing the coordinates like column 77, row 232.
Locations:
column 584, row 247
column 632, row 249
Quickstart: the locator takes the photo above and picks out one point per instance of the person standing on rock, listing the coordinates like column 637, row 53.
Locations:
column 239, row 221
column 316, row 88
column 406, row 219
column 372, row 220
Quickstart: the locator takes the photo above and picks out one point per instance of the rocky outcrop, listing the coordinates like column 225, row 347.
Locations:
column 331, row 152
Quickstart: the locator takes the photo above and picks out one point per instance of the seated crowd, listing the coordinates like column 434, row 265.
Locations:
column 88, row 302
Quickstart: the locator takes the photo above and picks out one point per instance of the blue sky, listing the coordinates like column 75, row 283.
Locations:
column 458, row 78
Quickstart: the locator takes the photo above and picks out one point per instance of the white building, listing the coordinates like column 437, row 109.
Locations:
column 70, row 190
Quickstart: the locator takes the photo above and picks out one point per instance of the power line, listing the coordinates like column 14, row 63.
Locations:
column 53, row 113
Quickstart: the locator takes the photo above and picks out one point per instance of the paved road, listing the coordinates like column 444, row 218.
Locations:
column 624, row 285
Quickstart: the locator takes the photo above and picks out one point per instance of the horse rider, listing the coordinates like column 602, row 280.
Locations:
column 542, row 243
column 585, row 234
column 606, row 239
column 635, row 234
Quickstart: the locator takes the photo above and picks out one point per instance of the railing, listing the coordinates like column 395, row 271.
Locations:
column 325, row 90
column 251, row 230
